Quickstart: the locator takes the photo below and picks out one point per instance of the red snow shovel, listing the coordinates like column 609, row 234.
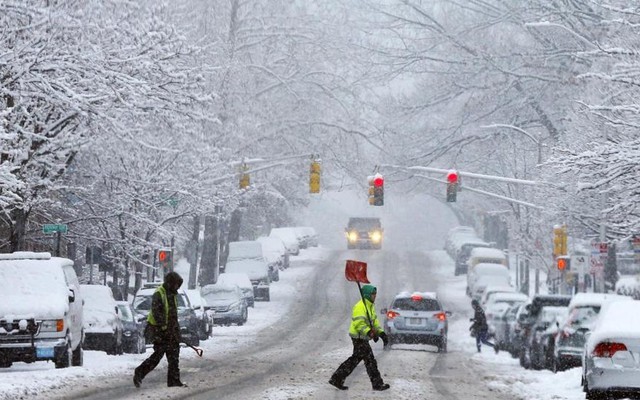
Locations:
column 356, row 271
column 198, row 350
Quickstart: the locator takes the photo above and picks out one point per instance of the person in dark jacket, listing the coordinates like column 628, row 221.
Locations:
column 480, row 327
column 162, row 322
column 364, row 327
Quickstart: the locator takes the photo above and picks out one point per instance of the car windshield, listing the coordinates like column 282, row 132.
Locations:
column 416, row 305
column 583, row 316
column 364, row 223
column 125, row 312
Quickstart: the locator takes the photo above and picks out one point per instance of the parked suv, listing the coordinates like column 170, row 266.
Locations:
column 40, row 310
column 417, row 318
column 364, row 233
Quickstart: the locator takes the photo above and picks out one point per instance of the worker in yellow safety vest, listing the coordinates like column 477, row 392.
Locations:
column 364, row 327
column 163, row 326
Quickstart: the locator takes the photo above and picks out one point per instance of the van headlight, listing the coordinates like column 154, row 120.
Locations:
column 376, row 236
column 352, row 236
column 52, row 325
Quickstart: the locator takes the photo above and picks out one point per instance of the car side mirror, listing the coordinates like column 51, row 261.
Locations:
column 141, row 318
column 384, row 311
column 72, row 295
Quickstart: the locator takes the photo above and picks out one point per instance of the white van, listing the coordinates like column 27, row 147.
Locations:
column 258, row 273
column 252, row 250
column 40, row 310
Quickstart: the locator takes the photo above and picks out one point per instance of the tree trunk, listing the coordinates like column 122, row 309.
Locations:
column 208, row 270
column 17, row 236
column 192, row 253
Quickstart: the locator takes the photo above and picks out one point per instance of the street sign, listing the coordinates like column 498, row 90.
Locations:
column 53, row 228
column 579, row 264
column 598, row 253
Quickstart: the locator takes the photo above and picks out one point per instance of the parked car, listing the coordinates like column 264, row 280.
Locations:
column 494, row 313
column 102, row 325
column 44, row 292
column 486, row 255
column 609, row 366
column 242, row 281
column 496, row 307
column 417, row 317
column 225, row 303
column 529, row 317
column 258, row 273
column 542, row 328
column 456, row 237
column 187, row 318
column 518, row 332
column 288, row 237
column 205, row 323
column 311, row 236
column 566, row 347
column 274, row 251
column 462, row 256
column 252, row 250
column 133, row 340
column 506, row 328
column 482, row 270
column 491, row 283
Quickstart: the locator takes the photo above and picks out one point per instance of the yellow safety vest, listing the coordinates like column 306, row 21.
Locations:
column 362, row 317
column 165, row 302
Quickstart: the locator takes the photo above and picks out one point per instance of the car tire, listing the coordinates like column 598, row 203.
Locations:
column 442, row 347
column 77, row 358
column 65, row 359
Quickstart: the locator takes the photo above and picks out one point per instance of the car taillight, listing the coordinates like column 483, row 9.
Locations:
column 441, row 316
column 392, row 314
column 607, row 349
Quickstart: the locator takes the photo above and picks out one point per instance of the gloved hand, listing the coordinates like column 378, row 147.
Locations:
column 385, row 338
column 373, row 335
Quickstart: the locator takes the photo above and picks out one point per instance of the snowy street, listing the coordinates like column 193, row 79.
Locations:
column 291, row 345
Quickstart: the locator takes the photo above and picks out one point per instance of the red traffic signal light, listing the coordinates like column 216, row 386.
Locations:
column 163, row 255
column 378, row 181
column 452, row 177
column 562, row 264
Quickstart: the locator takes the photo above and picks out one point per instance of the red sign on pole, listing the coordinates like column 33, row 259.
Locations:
column 356, row 271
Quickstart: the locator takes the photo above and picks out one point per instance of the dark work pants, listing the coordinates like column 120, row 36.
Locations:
column 483, row 337
column 161, row 347
column 361, row 351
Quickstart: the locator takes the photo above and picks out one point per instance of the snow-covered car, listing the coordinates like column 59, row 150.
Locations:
column 494, row 314
column 486, row 255
column 543, row 326
column 482, row 270
column 252, row 250
column 489, row 284
column 225, row 303
column 288, row 237
column 566, row 347
column 40, row 310
column 133, row 329
column 102, row 325
column 274, row 251
column 609, row 365
column 258, row 273
column 462, row 256
column 187, row 318
column 242, row 281
column 310, row 235
column 417, row 317
column 205, row 323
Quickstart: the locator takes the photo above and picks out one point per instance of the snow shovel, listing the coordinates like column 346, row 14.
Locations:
column 198, row 350
column 356, row 271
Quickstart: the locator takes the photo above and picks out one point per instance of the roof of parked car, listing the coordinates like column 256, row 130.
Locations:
column 487, row 252
column 594, row 299
column 427, row 295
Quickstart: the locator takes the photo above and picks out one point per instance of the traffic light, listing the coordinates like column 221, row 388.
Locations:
column 165, row 260
column 245, row 180
column 376, row 187
column 314, row 177
column 452, row 186
column 559, row 240
column 563, row 263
